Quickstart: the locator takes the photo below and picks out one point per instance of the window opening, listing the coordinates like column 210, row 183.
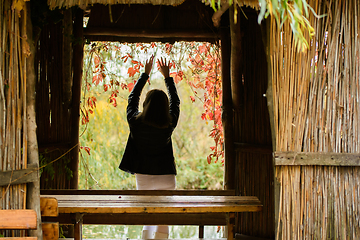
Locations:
column 110, row 71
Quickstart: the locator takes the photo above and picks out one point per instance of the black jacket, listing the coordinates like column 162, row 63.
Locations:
column 149, row 149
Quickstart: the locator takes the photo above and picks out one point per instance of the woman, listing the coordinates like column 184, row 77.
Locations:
column 149, row 152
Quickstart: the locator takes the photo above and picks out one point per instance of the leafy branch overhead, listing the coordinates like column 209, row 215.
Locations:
column 294, row 12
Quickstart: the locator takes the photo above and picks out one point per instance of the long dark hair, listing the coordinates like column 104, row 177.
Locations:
column 156, row 110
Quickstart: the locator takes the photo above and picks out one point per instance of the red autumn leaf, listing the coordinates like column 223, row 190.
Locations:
column 130, row 86
column 123, row 86
column 192, row 99
column 96, row 60
column 97, row 79
column 126, row 57
column 87, row 149
column 113, row 101
column 209, row 158
column 92, row 102
column 132, row 71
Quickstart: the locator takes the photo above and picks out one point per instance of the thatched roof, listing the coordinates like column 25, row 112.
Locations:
column 85, row 3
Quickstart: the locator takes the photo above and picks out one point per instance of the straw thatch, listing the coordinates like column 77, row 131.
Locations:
column 86, row 3
column 316, row 98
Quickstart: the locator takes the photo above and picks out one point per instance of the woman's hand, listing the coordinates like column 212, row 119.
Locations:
column 149, row 64
column 164, row 67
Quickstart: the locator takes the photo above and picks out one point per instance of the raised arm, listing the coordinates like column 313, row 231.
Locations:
column 132, row 109
column 173, row 95
column 164, row 67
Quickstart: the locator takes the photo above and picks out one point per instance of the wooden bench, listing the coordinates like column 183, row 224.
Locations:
column 18, row 219
column 201, row 220
column 49, row 208
column 150, row 207
column 26, row 219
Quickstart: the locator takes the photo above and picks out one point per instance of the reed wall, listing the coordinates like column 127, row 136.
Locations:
column 252, row 133
column 316, row 97
column 13, row 135
column 53, row 107
column 13, row 148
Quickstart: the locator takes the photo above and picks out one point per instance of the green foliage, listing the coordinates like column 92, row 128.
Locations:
column 46, row 165
column 294, row 11
column 107, row 132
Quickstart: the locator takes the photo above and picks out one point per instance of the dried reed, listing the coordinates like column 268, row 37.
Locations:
column 12, row 103
column 316, row 109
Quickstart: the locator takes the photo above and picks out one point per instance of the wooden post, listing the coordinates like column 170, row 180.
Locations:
column 67, row 57
column 76, row 90
column 236, row 87
column 270, row 104
column 227, row 110
column 235, row 62
column 33, row 189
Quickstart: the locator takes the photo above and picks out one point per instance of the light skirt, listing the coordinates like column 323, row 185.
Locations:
column 155, row 182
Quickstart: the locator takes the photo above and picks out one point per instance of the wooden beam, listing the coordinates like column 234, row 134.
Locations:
column 227, row 110
column 78, row 54
column 316, row 158
column 33, row 188
column 49, row 207
column 18, row 176
column 50, row 231
column 19, row 238
column 194, row 219
column 18, row 219
column 236, row 61
column 138, row 192
column 145, row 33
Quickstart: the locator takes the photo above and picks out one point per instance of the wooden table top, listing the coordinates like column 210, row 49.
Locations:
column 155, row 204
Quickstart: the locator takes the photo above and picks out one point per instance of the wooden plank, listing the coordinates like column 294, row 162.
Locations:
column 156, row 204
column 49, row 207
column 18, row 176
column 207, row 219
column 194, row 192
column 19, row 238
column 50, row 231
column 18, row 219
column 153, row 199
column 316, row 158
